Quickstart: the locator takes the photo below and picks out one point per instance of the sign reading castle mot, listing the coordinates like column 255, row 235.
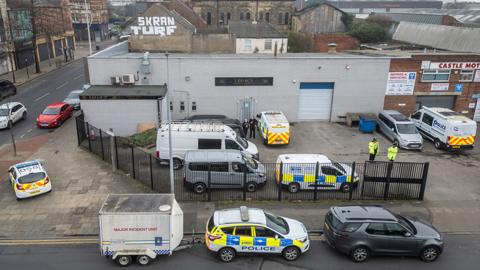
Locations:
column 154, row 26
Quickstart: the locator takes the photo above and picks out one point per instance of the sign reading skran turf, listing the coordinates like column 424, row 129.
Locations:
column 154, row 26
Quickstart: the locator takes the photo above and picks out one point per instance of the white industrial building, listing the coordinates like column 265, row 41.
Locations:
column 305, row 87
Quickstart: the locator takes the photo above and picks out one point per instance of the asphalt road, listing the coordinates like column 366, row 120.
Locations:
column 462, row 253
column 40, row 92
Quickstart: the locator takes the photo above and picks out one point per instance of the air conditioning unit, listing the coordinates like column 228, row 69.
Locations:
column 128, row 79
column 116, row 80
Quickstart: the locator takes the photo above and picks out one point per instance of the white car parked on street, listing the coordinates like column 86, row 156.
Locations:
column 11, row 113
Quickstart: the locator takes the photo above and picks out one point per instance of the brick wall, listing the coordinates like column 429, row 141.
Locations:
column 343, row 41
column 407, row 104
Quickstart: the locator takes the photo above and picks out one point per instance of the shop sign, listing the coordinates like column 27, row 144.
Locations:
column 154, row 26
column 476, row 78
column 439, row 87
column 454, row 65
column 400, row 83
column 471, row 105
column 458, row 87
column 243, row 81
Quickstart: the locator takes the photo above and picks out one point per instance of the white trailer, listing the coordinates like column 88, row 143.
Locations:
column 139, row 227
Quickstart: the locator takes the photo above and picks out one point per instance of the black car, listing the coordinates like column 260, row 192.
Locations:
column 7, row 89
column 218, row 118
column 361, row 231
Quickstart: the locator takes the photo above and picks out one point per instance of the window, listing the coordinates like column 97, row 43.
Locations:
column 287, row 17
column 264, row 232
column 228, row 230
column 260, row 16
column 197, row 166
column 395, row 229
column 242, row 16
column 427, row 119
column 219, row 167
column 16, row 108
column 436, row 75
column 376, row 228
column 171, row 106
column 280, row 18
column 267, row 16
column 222, row 18
column 209, row 144
column 209, row 18
column 268, row 45
column 64, row 108
column 248, row 44
column 466, row 75
column 243, row 230
column 351, row 227
column 229, row 16
column 330, row 171
column 229, row 144
column 238, row 167
column 194, row 106
column 417, row 115
column 182, row 106
column 248, row 16
column 277, row 223
column 210, row 224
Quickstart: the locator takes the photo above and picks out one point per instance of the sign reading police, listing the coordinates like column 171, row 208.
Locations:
column 157, row 26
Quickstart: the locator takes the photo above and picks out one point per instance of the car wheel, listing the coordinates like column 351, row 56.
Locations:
column 226, row 254
column 437, row 144
column 291, row 253
column 199, row 188
column 345, row 187
column 396, row 143
column 293, row 187
column 251, row 186
column 143, row 260
column 123, row 260
column 24, row 115
column 177, row 164
column 360, row 254
column 430, row 254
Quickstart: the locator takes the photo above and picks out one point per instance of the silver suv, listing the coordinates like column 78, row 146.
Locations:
column 361, row 231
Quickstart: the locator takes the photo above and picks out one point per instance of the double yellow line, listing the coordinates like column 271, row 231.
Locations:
column 54, row 241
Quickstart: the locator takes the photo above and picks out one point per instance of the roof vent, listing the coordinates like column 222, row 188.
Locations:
column 164, row 208
column 244, row 213
column 332, row 47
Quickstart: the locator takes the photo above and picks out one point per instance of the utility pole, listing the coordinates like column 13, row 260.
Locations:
column 11, row 46
column 34, row 36
column 169, row 119
column 87, row 17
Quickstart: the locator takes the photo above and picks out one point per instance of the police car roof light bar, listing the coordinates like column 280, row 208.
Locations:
column 244, row 214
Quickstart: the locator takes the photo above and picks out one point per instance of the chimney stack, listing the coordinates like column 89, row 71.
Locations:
column 332, row 48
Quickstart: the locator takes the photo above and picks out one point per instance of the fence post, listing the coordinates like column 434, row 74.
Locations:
column 424, row 180
column 245, row 184
column 364, row 173
column 77, row 121
column 88, row 138
column 280, row 179
column 352, row 178
column 133, row 161
column 101, row 144
column 387, row 183
column 151, row 170
column 317, row 170
column 209, row 180
column 116, row 150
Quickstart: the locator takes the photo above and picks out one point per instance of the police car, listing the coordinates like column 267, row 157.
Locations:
column 29, row 179
column 251, row 230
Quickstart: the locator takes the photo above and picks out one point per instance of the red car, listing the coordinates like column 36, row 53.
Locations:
column 54, row 115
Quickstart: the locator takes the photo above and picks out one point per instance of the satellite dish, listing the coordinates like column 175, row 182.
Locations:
column 164, row 208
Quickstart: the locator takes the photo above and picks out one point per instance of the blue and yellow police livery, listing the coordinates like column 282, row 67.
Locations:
column 298, row 172
column 249, row 230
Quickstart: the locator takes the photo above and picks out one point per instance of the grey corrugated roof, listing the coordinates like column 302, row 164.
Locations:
column 124, row 92
column 460, row 39
column 416, row 18
column 463, row 15
column 249, row 29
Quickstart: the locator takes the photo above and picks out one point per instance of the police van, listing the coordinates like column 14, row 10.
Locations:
column 446, row 128
column 251, row 230
column 305, row 171
column 274, row 127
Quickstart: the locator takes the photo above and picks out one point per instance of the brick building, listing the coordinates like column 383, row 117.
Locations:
column 98, row 12
column 450, row 80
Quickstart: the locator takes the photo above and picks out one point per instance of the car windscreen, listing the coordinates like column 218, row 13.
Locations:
column 277, row 223
column 51, row 111
column 334, row 222
column 32, row 177
column 407, row 224
column 73, row 95
column 407, row 129
column 241, row 141
column 3, row 112
column 251, row 163
column 339, row 167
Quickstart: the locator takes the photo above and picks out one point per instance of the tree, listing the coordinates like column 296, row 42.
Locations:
column 367, row 32
column 347, row 20
column 299, row 42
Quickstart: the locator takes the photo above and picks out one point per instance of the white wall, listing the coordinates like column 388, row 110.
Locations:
column 242, row 45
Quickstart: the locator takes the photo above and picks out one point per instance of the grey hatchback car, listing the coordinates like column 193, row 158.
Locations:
column 361, row 231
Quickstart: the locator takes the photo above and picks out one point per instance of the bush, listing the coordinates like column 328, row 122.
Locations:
column 299, row 42
column 144, row 139
column 368, row 32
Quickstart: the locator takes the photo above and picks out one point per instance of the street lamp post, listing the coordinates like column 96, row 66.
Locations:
column 169, row 119
column 88, row 27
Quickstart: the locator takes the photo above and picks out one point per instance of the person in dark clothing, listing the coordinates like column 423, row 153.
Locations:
column 245, row 127
column 65, row 54
column 253, row 125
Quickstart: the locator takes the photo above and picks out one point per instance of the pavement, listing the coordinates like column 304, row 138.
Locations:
column 462, row 253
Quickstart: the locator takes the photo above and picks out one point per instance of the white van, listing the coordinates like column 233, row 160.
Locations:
column 446, row 128
column 197, row 136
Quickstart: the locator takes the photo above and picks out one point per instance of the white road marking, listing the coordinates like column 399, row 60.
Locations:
column 78, row 77
column 21, row 136
column 30, row 130
column 61, row 85
column 40, row 97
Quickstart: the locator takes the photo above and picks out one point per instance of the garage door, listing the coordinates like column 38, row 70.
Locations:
column 436, row 101
column 315, row 101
